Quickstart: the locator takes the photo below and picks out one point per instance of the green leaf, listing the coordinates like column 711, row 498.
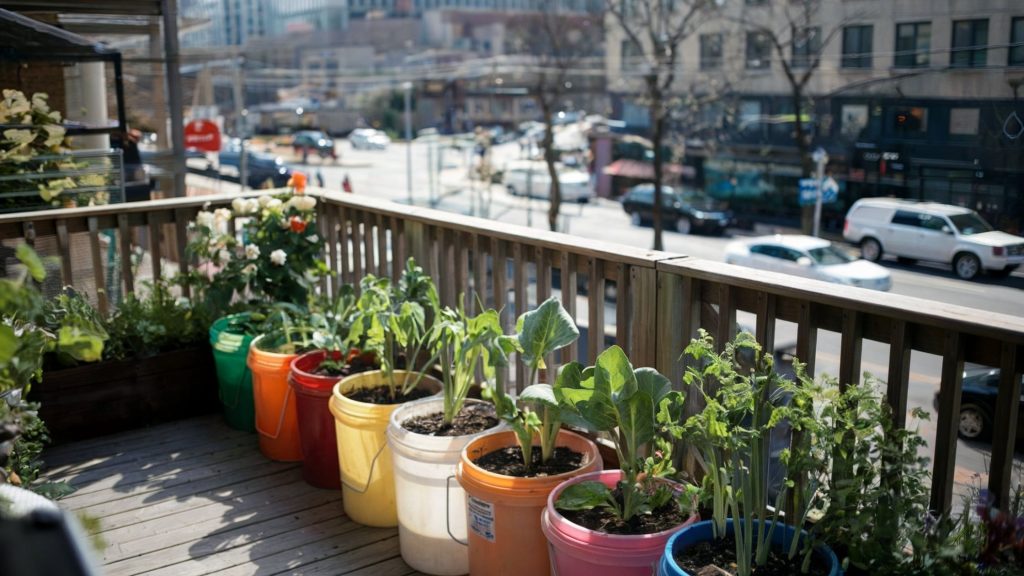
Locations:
column 614, row 374
column 637, row 423
column 27, row 256
column 544, row 330
column 653, row 383
column 8, row 344
column 80, row 344
column 583, row 496
column 541, row 394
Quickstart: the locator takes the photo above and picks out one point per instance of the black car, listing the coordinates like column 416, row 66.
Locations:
column 978, row 402
column 260, row 168
column 313, row 141
column 687, row 210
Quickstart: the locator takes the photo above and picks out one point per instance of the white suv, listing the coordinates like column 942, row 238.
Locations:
column 936, row 232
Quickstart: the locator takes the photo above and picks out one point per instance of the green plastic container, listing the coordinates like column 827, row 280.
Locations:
column 234, row 378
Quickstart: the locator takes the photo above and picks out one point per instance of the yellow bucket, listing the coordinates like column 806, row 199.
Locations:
column 367, row 477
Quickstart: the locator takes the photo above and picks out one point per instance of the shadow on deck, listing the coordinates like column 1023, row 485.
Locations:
column 196, row 497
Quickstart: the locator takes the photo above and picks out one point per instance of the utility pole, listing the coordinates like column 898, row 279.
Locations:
column 240, row 112
column 820, row 158
column 407, row 87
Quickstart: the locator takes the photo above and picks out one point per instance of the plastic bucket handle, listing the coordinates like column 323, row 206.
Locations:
column 280, row 419
column 448, row 510
column 373, row 464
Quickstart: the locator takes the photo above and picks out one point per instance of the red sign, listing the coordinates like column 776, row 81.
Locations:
column 202, row 135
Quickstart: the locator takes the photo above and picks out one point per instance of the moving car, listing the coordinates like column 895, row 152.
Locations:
column 809, row 257
column 260, row 167
column 687, row 210
column 368, row 139
column 532, row 179
column 942, row 233
column 978, row 402
column 313, row 141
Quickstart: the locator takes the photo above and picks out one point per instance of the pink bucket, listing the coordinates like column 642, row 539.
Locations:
column 578, row 551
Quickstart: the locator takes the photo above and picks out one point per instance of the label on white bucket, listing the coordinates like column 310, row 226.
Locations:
column 481, row 518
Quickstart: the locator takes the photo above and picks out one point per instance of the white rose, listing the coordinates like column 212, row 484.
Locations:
column 313, row 238
column 238, row 205
column 19, row 137
column 223, row 256
column 264, row 200
column 305, row 203
column 252, row 206
column 278, row 257
column 221, row 215
column 249, row 270
column 252, row 251
column 205, row 218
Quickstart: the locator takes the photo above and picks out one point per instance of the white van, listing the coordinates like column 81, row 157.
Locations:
column 934, row 232
column 530, row 178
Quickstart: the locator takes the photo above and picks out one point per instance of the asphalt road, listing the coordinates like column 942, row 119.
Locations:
column 383, row 174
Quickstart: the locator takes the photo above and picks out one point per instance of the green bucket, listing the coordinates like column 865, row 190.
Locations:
column 233, row 376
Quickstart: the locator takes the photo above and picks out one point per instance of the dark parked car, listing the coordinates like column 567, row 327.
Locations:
column 978, row 402
column 260, row 168
column 313, row 141
column 687, row 210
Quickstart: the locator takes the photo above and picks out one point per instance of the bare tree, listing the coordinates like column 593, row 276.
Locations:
column 560, row 47
column 797, row 41
column 656, row 30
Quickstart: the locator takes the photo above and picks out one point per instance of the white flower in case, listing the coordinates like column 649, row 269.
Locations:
column 252, row 251
column 278, row 257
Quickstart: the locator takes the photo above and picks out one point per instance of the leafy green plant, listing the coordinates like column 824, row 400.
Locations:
column 640, row 411
column 541, row 332
column 79, row 326
column 465, row 344
column 745, row 401
column 394, row 321
column 154, row 322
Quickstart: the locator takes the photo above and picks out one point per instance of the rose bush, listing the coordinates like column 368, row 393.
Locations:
column 272, row 256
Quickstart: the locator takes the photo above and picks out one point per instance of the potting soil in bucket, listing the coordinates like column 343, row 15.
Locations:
column 579, row 551
column 365, row 462
column 503, row 512
column 431, row 504
column 234, row 379
column 276, row 417
column 316, row 424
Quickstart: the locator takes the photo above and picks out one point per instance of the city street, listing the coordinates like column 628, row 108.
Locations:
column 382, row 174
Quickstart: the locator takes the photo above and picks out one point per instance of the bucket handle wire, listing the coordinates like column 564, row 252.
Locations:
column 280, row 419
column 369, row 477
column 448, row 509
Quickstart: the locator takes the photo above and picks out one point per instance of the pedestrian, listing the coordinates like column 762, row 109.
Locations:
column 320, row 178
column 346, row 185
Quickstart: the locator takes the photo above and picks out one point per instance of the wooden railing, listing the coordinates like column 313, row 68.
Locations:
column 650, row 303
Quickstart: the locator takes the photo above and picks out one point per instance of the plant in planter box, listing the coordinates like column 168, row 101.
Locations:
column 24, row 341
column 499, row 471
column 746, row 400
column 427, row 438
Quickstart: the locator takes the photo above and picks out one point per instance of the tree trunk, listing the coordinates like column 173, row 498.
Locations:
column 803, row 148
column 657, row 134
column 549, row 159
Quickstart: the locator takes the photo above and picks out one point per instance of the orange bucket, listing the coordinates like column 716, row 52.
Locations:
column 503, row 512
column 276, row 417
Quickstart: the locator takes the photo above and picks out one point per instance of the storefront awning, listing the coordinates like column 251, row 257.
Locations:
column 638, row 170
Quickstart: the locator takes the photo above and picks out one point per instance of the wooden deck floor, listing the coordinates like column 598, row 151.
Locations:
column 196, row 497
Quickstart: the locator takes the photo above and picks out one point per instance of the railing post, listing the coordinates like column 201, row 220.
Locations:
column 946, row 424
column 1005, row 431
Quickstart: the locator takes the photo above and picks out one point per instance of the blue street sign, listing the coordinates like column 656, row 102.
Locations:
column 830, row 190
column 808, row 191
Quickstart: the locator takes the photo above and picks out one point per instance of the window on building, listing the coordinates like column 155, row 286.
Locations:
column 1017, row 42
column 913, row 43
column 964, row 121
column 710, row 51
column 806, row 45
column 970, row 44
column 750, row 115
column 759, row 51
column 631, row 55
column 853, row 120
column 913, row 120
column 857, row 46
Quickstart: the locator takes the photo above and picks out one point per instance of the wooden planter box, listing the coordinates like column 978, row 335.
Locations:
column 107, row 397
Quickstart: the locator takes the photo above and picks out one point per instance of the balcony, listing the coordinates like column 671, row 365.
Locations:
column 196, row 497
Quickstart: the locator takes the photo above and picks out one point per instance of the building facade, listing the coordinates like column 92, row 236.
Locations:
column 914, row 99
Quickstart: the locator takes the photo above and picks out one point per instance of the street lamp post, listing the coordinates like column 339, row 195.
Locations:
column 820, row 158
column 407, row 88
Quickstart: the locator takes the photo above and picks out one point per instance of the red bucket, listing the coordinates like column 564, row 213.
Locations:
column 316, row 424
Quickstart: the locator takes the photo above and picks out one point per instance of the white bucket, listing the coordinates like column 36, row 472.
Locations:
column 431, row 504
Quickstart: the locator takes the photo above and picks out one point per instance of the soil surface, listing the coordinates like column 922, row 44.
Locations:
column 471, row 419
column 382, row 395
column 508, row 461
column 355, row 363
column 719, row 558
column 604, row 520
